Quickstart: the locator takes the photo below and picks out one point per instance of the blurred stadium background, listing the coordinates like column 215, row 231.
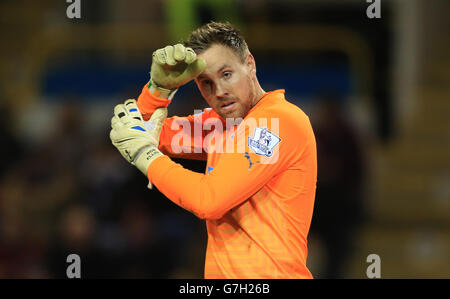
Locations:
column 377, row 92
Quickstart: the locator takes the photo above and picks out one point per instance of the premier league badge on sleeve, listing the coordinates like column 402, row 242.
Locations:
column 263, row 142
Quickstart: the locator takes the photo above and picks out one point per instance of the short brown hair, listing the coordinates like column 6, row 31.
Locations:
column 212, row 33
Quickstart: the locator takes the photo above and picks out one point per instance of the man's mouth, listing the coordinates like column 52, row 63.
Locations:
column 228, row 105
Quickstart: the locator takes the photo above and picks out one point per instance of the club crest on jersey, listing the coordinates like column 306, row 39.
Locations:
column 263, row 142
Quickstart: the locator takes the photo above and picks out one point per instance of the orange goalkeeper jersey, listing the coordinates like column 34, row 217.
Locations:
column 257, row 192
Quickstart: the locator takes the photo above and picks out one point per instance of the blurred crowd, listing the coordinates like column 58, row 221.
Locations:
column 74, row 193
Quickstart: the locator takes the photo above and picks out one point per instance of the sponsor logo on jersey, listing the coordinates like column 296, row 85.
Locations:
column 263, row 142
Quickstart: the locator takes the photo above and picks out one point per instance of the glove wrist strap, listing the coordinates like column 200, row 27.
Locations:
column 161, row 92
column 145, row 157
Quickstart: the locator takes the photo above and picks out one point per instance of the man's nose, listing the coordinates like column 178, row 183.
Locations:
column 220, row 91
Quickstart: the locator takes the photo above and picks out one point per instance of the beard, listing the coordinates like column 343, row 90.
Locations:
column 243, row 106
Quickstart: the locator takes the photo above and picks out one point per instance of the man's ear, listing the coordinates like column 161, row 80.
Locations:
column 250, row 63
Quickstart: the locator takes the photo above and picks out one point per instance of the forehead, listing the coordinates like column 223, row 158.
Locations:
column 218, row 55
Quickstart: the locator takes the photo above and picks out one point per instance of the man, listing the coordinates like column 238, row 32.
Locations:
column 257, row 193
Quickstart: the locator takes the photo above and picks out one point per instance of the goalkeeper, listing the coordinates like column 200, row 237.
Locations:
column 257, row 201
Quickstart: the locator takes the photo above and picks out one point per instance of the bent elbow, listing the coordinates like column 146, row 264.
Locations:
column 213, row 205
column 212, row 213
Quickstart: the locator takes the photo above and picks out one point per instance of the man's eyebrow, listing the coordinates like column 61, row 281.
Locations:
column 201, row 76
column 223, row 67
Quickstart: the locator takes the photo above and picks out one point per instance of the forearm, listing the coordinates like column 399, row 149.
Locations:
column 148, row 102
column 210, row 196
column 189, row 190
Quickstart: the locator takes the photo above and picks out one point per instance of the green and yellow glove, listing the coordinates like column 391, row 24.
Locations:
column 172, row 67
column 136, row 140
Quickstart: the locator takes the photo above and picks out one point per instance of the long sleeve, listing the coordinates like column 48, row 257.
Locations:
column 183, row 137
column 237, row 175
column 148, row 103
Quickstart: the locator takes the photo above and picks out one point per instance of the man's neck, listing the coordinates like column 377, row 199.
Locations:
column 259, row 94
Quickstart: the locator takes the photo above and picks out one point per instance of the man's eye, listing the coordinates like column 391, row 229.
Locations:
column 227, row 74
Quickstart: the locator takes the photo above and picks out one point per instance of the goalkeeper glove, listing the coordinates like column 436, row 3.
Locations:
column 172, row 67
column 136, row 140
